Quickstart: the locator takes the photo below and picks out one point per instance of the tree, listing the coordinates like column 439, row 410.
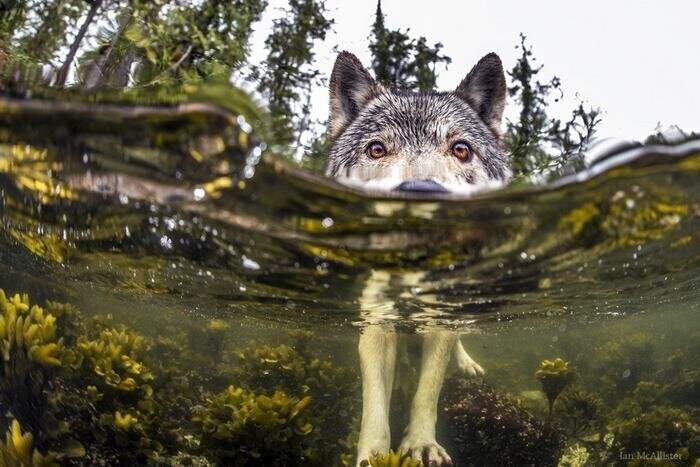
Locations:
column 167, row 41
column 537, row 142
column 398, row 60
column 62, row 75
column 286, row 77
column 44, row 32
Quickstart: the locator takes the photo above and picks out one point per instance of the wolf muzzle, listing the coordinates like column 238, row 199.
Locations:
column 421, row 186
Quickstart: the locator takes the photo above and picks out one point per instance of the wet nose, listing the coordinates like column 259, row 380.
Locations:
column 422, row 186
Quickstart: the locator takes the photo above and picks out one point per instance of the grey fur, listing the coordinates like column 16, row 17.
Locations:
column 417, row 129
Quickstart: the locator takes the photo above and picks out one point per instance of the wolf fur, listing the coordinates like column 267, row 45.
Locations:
column 417, row 132
column 417, row 129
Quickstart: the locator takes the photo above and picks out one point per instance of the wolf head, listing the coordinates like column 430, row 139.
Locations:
column 389, row 139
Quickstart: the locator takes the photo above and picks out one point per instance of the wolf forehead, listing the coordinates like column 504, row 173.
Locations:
column 415, row 122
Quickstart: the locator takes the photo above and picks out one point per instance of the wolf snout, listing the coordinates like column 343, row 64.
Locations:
column 421, row 186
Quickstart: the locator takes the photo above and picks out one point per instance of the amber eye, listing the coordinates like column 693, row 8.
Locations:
column 375, row 150
column 461, row 151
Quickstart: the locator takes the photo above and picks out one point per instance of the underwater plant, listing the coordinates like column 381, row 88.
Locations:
column 661, row 430
column 554, row 376
column 18, row 450
column 391, row 459
column 82, row 395
column 621, row 364
column 480, row 426
column 31, row 351
column 298, row 371
column 238, row 427
column 579, row 412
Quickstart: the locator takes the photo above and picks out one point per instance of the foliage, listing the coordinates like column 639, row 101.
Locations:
column 538, row 143
column 671, row 136
column 554, row 375
column 120, row 44
column 391, row 459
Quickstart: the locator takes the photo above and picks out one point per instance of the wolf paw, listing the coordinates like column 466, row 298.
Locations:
column 469, row 367
column 427, row 450
column 466, row 364
column 373, row 443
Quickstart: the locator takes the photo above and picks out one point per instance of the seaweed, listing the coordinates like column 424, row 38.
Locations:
column 18, row 450
column 297, row 370
column 31, row 351
column 554, row 375
column 663, row 434
column 240, row 428
column 479, row 426
column 83, row 396
column 391, row 459
column 580, row 413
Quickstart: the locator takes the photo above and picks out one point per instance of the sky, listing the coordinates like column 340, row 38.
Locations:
column 638, row 61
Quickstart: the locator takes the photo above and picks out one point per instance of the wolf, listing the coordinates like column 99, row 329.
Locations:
column 389, row 139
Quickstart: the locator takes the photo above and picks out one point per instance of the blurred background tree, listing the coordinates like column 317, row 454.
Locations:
column 117, row 44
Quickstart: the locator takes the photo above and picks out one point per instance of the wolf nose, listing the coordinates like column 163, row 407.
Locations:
column 422, row 186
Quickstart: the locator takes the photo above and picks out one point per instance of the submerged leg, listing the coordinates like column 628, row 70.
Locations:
column 377, row 349
column 420, row 439
column 465, row 363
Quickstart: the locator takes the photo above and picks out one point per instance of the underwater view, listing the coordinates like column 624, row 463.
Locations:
column 174, row 294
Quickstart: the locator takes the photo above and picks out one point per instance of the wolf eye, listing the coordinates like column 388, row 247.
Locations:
column 375, row 150
column 461, row 151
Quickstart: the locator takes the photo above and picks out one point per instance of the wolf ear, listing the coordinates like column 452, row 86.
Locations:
column 484, row 89
column 351, row 88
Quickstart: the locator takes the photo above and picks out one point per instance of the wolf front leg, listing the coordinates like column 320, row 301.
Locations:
column 377, row 349
column 420, row 439
column 377, row 363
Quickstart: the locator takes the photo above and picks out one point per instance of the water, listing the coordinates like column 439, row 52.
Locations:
column 180, row 224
